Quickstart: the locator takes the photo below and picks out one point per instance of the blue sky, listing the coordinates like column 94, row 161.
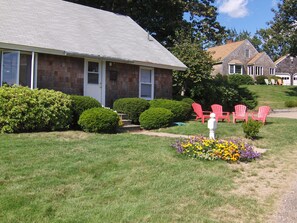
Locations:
column 249, row 15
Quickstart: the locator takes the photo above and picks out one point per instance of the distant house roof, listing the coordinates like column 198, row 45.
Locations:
column 255, row 58
column 220, row 52
column 280, row 59
column 59, row 27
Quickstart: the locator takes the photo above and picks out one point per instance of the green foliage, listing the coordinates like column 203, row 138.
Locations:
column 260, row 79
column 239, row 79
column 188, row 101
column 199, row 64
column 251, row 129
column 291, row 104
column 155, row 118
column 26, row 110
column 80, row 104
column 181, row 110
column 133, row 107
column 99, row 120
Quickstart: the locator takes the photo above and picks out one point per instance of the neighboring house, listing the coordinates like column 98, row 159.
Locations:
column 286, row 68
column 81, row 50
column 241, row 58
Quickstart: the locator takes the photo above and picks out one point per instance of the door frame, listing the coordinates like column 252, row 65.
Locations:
column 102, row 78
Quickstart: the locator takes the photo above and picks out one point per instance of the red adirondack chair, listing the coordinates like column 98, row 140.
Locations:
column 200, row 114
column 240, row 113
column 262, row 114
column 220, row 114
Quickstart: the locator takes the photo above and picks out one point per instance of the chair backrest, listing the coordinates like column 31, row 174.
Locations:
column 217, row 109
column 272, row 81
column 266, row 81
column 263, row 111
column 197, row 109
column 240, row 110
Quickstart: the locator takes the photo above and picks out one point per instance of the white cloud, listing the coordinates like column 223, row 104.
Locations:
column 234, row 8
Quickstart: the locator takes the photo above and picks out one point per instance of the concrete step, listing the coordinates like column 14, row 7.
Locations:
column 129, row 128
column 123, row 116
column 126, row 122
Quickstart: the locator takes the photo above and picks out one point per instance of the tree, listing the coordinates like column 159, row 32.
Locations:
column 162, row 18
column 284, row 26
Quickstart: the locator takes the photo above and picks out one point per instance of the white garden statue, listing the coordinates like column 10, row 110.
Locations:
column 212, row 125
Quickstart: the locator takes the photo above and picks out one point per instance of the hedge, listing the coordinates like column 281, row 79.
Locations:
column 155, row 118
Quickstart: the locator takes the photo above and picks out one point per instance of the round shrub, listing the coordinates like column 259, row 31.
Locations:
column 26, row 110
column 239, row 79
column 290, row 104
column 80, row 104
column 155, row 118
column 132, row 107
column 99, row 120
column 181, row 110
column 188, row 101
column 260, row 79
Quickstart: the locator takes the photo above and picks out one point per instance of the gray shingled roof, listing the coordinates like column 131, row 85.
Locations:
column 73, row 29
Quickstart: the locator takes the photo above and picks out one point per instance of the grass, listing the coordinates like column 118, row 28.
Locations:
column 79, row 177
column 274, row 95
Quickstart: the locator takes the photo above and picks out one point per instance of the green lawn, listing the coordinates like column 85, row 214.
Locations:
column 273, row 95
column 79, row 177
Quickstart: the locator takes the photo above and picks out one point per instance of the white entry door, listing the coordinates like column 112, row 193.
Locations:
column 93, row 80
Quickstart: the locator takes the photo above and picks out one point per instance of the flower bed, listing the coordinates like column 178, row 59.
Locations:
column 200, row 147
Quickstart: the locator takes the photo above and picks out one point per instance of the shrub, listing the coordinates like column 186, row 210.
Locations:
column 133, row 107
column 99, row 120
column 155, row 118
column 210, row 149
column 181, row 110
column 188, row 101
column 26, row 110
column 260, row 79
column 239, row 79
column 251, row 129
column 80, row 104
column 291, row 104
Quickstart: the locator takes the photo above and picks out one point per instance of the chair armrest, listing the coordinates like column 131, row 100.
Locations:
column 206, row 112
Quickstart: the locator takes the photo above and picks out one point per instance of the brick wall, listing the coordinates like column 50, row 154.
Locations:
column 60, row 73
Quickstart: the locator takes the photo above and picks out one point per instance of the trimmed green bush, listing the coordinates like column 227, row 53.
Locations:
column 80, row 104
column 26, row 110
column 239, row 79
column 251, row 129
column 99, row 120
column 181, row 110
column 291, row 104
column 260, row 79
column 133, row 107
column 155, row 118
column 188, row 101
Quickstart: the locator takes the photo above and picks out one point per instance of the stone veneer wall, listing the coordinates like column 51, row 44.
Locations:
column 60, row 73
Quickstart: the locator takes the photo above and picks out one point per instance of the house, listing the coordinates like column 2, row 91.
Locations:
column 286, row 68
column 240, row 58
column 80, row 50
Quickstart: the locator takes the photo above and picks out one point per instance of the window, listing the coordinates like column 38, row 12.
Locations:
column 247, row 53
column 271, row 71
column 258, row 70
column 146, row 85
column 93, row 73
column 235, row 69
column 15, row 68
column 250, row 70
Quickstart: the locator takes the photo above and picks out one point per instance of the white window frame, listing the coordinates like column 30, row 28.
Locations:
column 250, row 70
column 247, row 53
column 272, row 71
column 259, row 70
column 234, row 65
column 34, row 58
column 152, row 83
